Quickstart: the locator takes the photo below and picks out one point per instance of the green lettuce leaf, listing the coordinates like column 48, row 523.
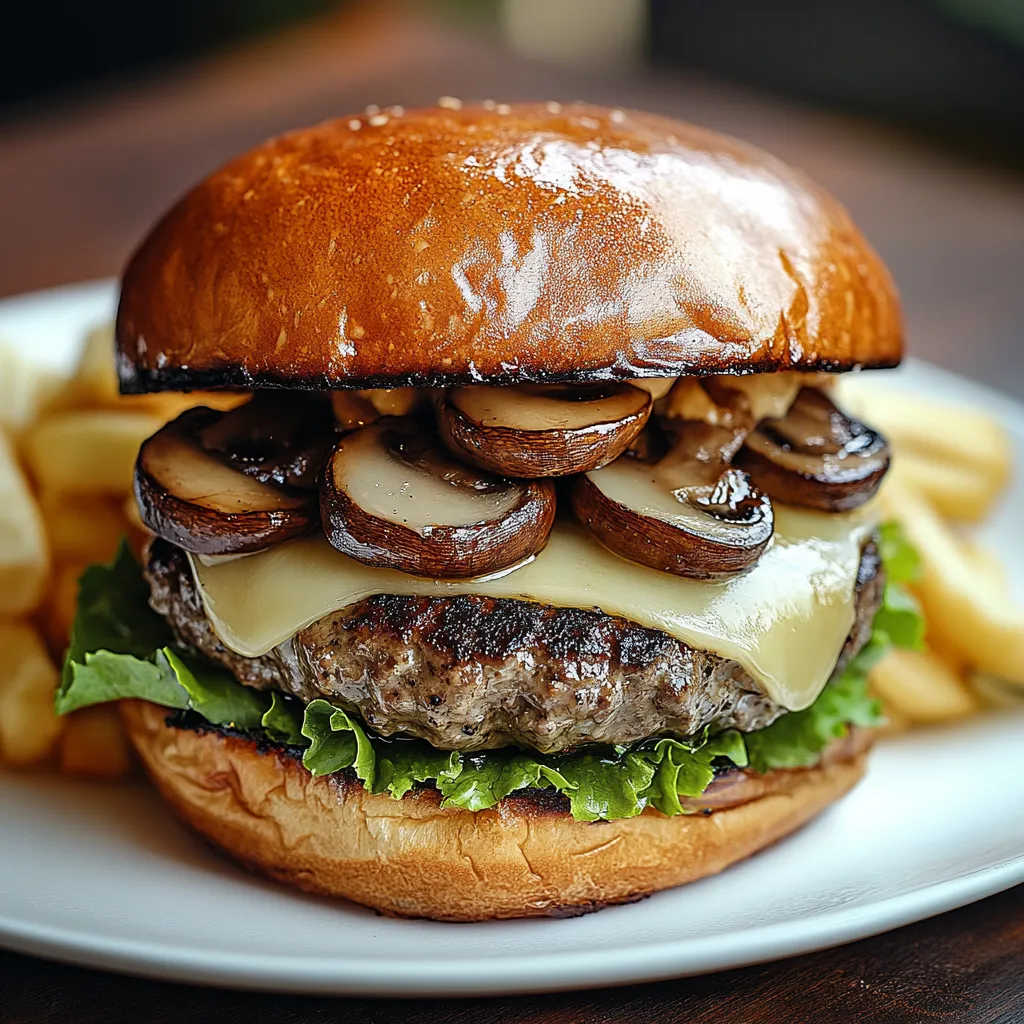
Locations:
column 113, row 612
column 120, row 649
column 104, row 676
column 337, row 741
column 684, row 770
column 403, row 763
column 282, row 721
column 797, row 739
column 606, row 787
column 482, row 780
column 902, row 563
column 215, row 694
column 114, row 618
column 899, row 621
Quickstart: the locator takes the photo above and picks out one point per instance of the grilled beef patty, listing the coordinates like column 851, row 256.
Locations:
column 474, row 673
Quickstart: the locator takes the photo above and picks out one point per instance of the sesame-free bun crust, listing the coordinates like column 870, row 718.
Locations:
column 413, row 858
column 503, row 245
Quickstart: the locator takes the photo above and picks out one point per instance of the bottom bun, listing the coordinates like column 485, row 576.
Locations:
column 411, row 857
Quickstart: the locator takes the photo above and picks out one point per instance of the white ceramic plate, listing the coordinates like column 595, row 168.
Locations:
column 102, row 876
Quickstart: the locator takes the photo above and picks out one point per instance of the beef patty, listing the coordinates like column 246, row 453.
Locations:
column 474, row 673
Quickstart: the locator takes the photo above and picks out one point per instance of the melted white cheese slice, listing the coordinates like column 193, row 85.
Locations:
column 785, row 621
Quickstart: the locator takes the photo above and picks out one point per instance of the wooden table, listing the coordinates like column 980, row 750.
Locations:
column 81, row 182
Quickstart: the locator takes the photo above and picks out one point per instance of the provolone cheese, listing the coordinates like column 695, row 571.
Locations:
column 785, row 621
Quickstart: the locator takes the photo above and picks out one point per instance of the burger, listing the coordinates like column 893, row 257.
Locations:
column 538, row 569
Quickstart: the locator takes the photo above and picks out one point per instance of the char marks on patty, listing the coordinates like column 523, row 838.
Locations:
column 475, row 673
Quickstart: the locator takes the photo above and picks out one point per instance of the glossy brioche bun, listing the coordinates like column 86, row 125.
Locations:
column 500, row 244
column 412, row 858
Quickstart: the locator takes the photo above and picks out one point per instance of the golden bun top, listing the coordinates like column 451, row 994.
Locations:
column 500, row 244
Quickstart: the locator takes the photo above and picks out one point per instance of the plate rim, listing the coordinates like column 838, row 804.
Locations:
column 574, row 969
column 606, row 968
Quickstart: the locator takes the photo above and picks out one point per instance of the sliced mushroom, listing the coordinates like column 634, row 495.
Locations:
column 392, row 497
column 816, row 456
column 278, row 437
column 658, row 387
column 194, row 500
column 542, row 430
column 689, row 512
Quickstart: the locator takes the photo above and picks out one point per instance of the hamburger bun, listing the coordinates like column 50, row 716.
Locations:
column 503, row 245
column 413, row 858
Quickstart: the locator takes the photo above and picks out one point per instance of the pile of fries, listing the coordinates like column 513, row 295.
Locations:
column 950, row 466
column 67, row 448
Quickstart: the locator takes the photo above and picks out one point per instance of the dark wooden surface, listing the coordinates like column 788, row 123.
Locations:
column 81, row 181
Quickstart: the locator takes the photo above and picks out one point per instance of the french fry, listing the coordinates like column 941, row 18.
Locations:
column 137, row 532
column 958, row 491
column 953, row 658
column 94, row 382
column 895, row 721
column 988, row 567
column 81, row 528
column 58, row 611
column 95, row 746
column 28, row 726
column 920, row 687
column 996, row 693
column 25, row 389
column 24, row 559
column 979, row 625
column 941, row 430
column 94, row 385
column 88, row 451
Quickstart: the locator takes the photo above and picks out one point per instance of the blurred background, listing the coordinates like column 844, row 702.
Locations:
column 911, row 111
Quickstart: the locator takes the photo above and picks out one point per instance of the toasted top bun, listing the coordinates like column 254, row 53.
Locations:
column 500, row 244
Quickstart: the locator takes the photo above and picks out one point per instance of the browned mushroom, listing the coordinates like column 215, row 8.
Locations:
column 687, row 512
column 197, row 501
column 816, row 456
column 542, row 430
column 277, row 437
column 392, row 497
